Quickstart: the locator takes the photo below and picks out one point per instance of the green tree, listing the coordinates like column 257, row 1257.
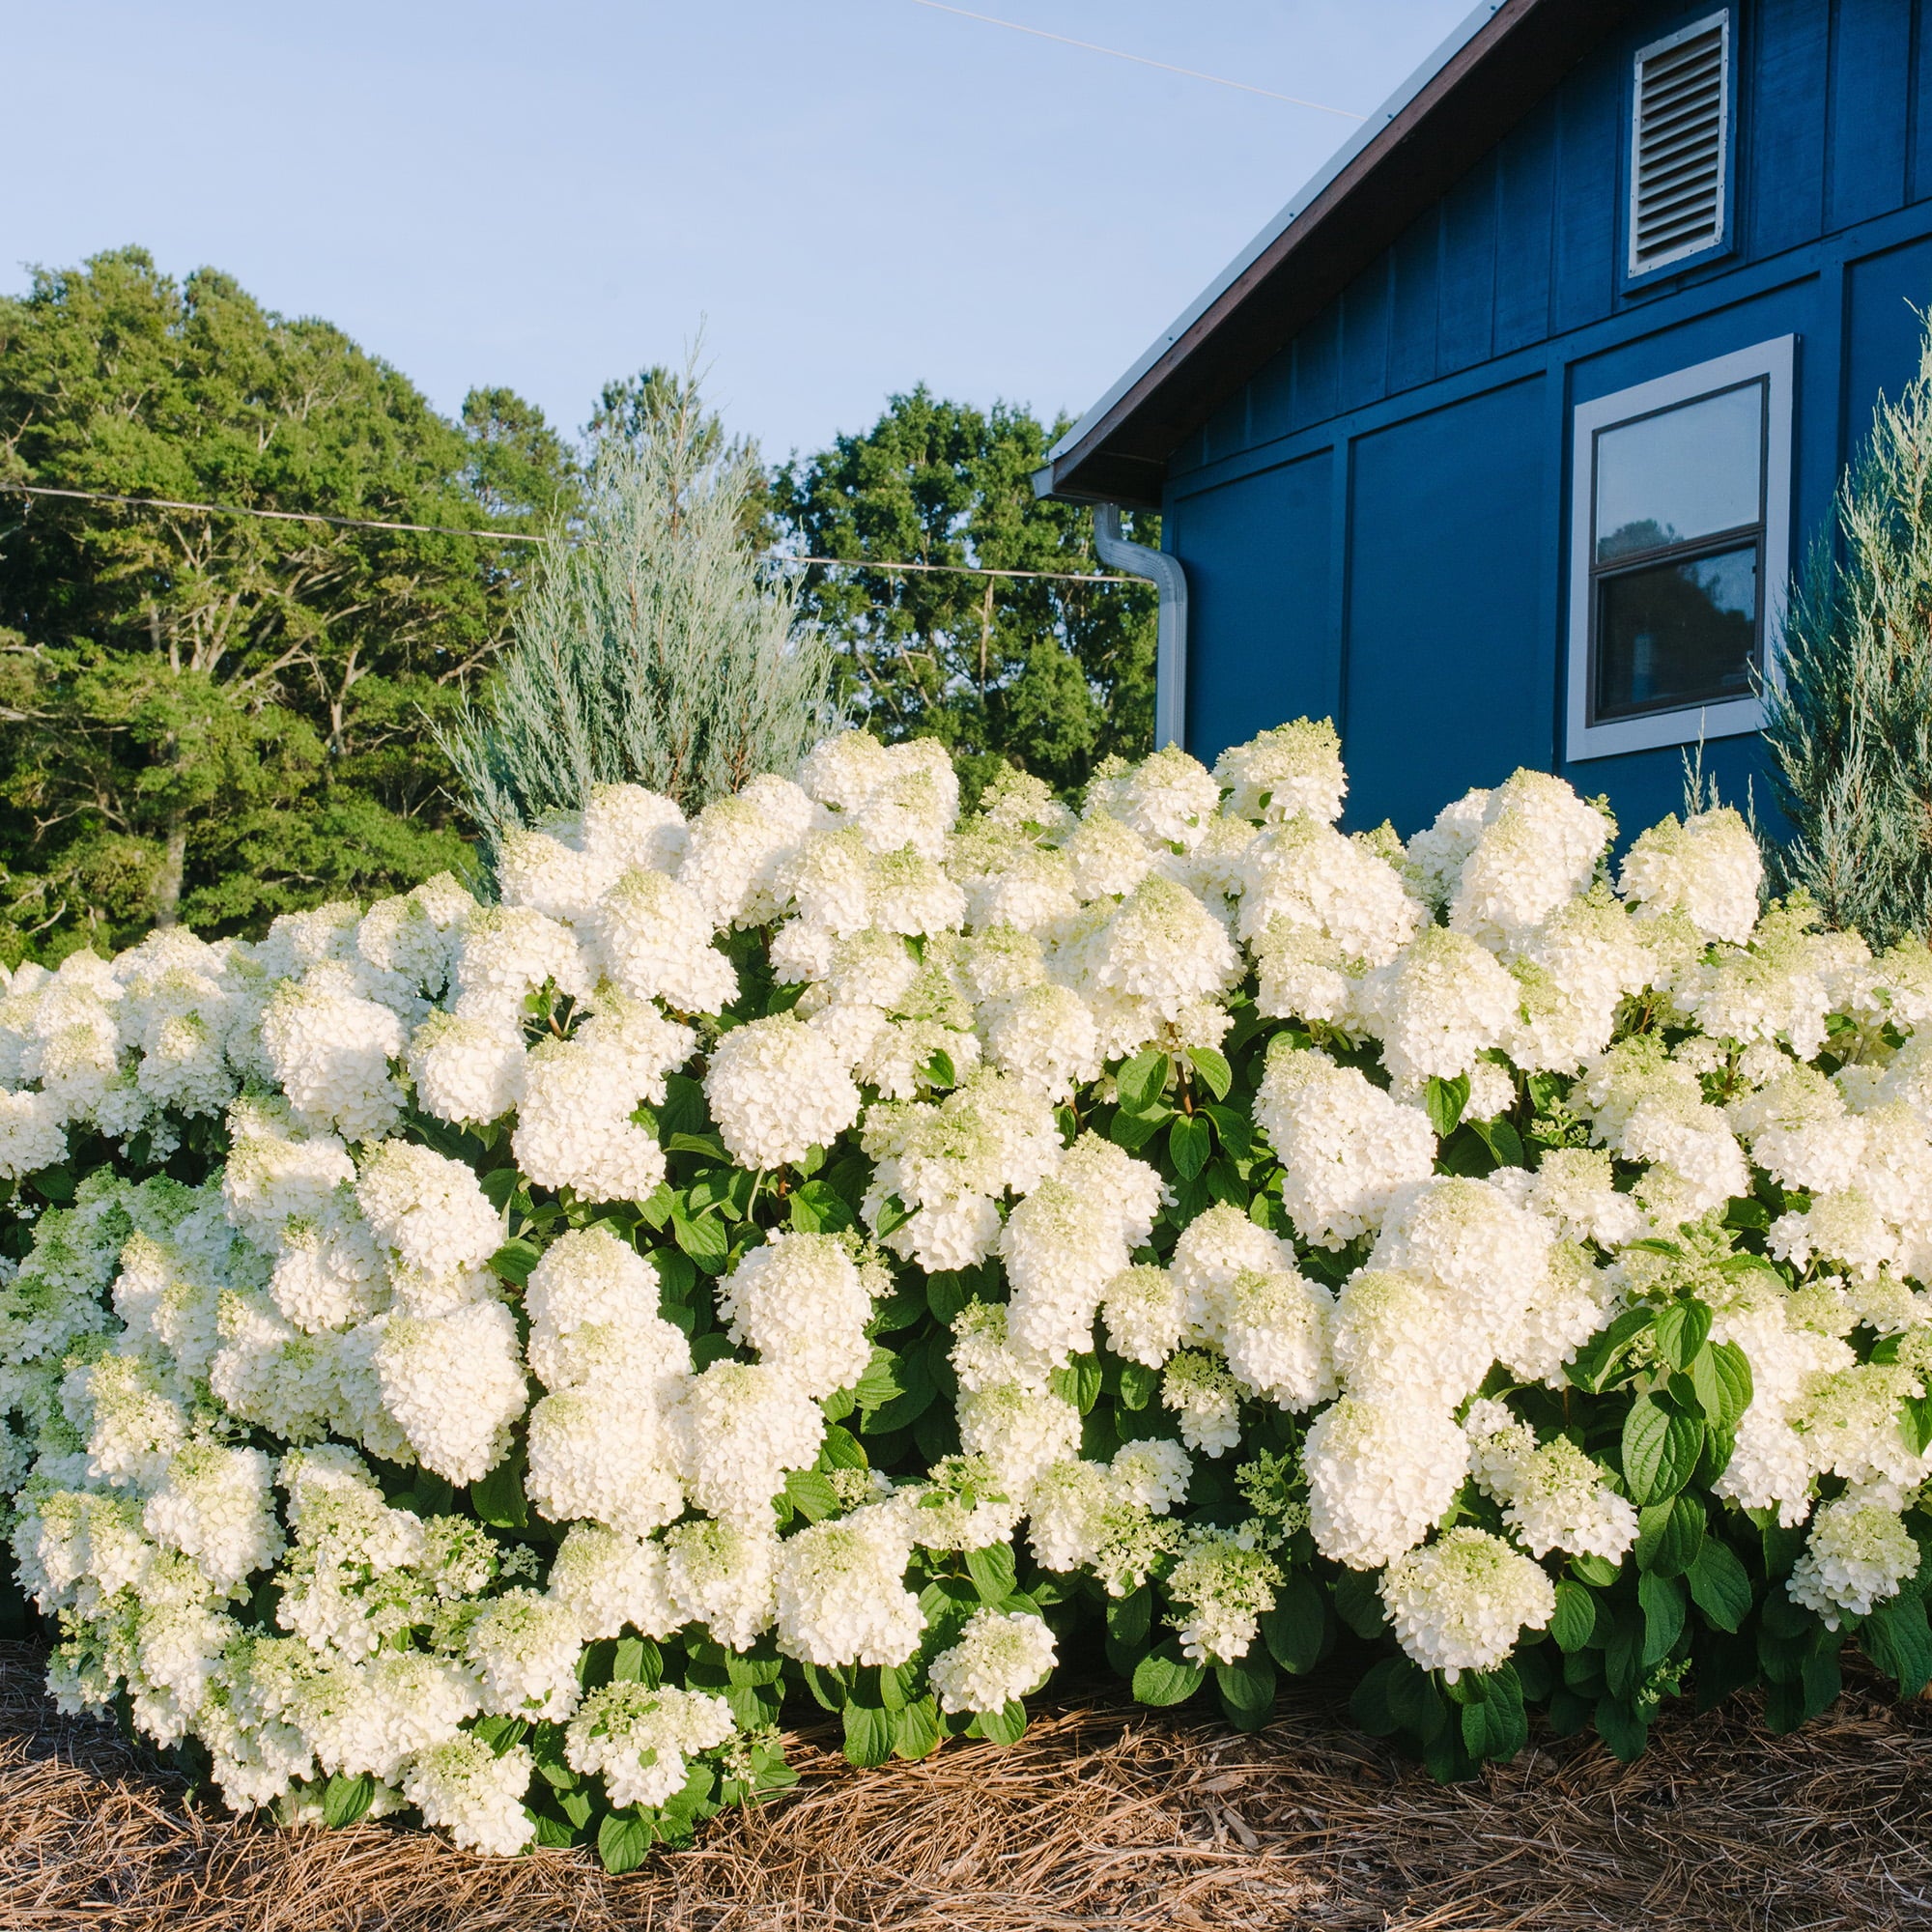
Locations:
column 1053, row 676
column 217, row 718
column 1850, row 726
column 654, row 648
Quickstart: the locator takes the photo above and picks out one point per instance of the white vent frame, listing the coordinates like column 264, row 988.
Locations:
column 1773, row 362
column 1637, row 263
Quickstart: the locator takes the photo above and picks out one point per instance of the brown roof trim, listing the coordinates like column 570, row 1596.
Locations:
column 1444, row 126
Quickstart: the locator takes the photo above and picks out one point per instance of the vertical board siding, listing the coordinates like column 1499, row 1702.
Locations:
column 1465, row 316
column 1871, row 77
column 1417, row 276
column 1593, row 105
column 1882, row 332
column 1271, row 398
column 1919, row 144
column 1365, row 334
column 1525, row 175
column 1318, row 354
column 1782, row 124
column 1450, row 680
column 1261, row 647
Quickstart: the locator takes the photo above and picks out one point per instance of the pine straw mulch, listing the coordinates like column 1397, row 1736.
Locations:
column 1103, row 1816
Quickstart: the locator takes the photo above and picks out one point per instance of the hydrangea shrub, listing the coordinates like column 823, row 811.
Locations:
column 482, row 1359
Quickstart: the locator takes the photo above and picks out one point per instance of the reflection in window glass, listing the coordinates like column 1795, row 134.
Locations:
column 1682, row 474
column 1676, row 633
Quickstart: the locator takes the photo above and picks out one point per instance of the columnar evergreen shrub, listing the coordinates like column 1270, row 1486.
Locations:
column 820, row 1247
column 1849, row 723
column 652, row 647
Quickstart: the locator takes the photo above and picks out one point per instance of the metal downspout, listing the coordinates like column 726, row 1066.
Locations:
column 1164, row 572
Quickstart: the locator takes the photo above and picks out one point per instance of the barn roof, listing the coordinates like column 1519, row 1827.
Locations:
column 1484, row 78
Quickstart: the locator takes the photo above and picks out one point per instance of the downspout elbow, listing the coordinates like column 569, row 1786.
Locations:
column 1170, row 582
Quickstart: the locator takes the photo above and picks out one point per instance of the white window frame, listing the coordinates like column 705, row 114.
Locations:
column 1772, row 361
column 1722, row 20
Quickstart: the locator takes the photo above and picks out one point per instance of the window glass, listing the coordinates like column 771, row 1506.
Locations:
column 1681, row 474
column 1676, row 633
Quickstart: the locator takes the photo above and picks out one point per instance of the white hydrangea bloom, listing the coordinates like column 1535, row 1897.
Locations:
column 1462, row 1602
column 1021, row 1430
column 510, row 952
column 1162, row 946
column 737, row 1429
column 33, row 1133
column 574, row 1126
column 216, row 1505
column 777, row 1090
column 465, row 1070
column 373, row 1717
column 1213, row 1248
column 1045, row 1035
column 1536, row 849
column 541, row 871
column 1707, row 867
column 997, row 1657
column 432, row 1216
column 1062, row 1245
column 802, row 1302
column 1273, row 1326
column 724, row 1576
column 626, row 825
column 1226, row 1581
column 611, row 1463
column 612, row 1580
column 1437, row 1006
column 524, row 1649
column 1553, row 1495
column 1801, row 1132
column 473, row 1793
column 454, row 1385
column 653, row 938
column 1306, row 877
column 1857, row 1555
column 331, row 1051
column 641, row 1741
column 1145, row 1310
column 842, row 1597
column 1345, row 1146
column 1380, row 1473
column 1205, row 1400
column 1294, row 769
column 736, row 845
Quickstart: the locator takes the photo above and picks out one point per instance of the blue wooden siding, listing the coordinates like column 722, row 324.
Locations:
column 1376, row 524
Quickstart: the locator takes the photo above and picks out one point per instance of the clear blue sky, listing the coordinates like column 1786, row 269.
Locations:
column 854, row 195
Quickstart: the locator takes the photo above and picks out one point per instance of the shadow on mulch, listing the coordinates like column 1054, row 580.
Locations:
column 1104, row 1815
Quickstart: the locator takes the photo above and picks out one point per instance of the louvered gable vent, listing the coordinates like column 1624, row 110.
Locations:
column 1677, row 144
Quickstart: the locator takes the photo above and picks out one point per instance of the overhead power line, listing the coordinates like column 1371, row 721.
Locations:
column 884, row 567
column 1141, row 60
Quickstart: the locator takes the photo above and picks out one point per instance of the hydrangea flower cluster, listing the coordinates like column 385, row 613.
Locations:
column 483, row 1359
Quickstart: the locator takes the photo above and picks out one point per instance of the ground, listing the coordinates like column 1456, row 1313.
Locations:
column 1105, row 1816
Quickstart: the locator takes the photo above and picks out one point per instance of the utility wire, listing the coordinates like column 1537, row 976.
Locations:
column 518, row 536
column 1140, row 59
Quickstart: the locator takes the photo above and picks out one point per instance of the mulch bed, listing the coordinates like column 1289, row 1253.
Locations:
column 1103, row 1816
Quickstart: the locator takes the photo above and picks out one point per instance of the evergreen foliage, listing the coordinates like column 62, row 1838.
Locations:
column 1047, row 675
column 652, row 648
column 1850, row 731
column 219, row 719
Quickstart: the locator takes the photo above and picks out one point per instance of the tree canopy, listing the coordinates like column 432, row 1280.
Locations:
column 215, row 718
column 1053, row 676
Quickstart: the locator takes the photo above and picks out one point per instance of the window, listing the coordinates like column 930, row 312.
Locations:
column 1679, row 550
column 1679, row 130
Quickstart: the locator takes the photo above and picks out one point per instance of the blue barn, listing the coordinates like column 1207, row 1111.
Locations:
column 1499, row 444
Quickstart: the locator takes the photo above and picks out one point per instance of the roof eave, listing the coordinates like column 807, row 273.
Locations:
column 1477, row 85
